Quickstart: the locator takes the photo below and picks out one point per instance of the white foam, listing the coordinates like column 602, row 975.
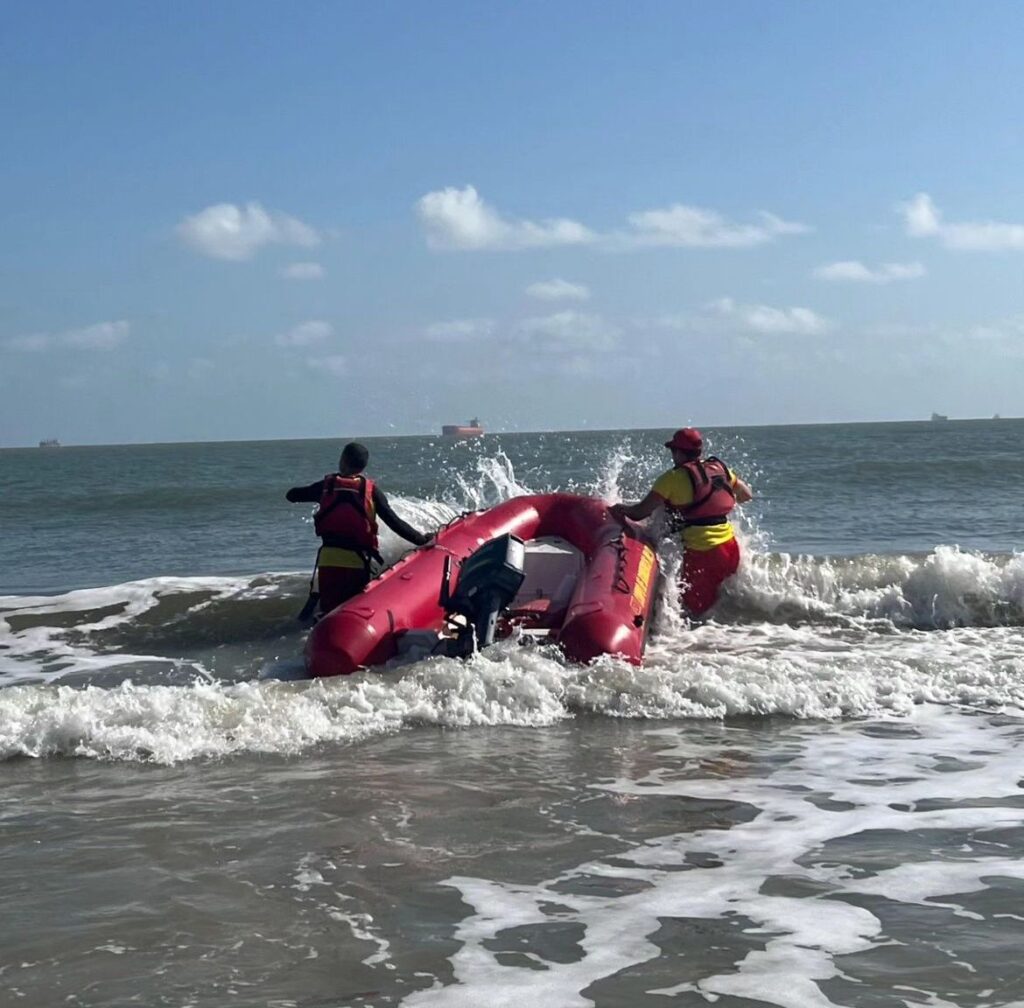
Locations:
column 43, row 649
column 712, row 671
column 949, row 587
column 309, row 880
column 801, row 637
column 803, row 936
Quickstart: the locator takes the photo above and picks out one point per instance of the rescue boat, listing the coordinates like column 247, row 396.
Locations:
column 554, row 567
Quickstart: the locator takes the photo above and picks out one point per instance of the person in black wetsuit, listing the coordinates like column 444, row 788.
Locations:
column 346, row 521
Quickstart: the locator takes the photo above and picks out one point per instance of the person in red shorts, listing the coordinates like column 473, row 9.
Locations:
column 698, row 493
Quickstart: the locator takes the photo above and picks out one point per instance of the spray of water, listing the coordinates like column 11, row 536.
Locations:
column 495, row 482
column 793, row 635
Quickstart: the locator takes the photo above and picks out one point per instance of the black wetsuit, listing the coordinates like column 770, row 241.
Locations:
column 336, row 583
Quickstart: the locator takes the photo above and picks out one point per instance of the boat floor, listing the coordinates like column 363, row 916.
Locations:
column 552, row 566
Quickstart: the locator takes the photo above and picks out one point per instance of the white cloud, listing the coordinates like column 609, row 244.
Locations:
column 765, row 319
column 29, row 342
column 683, row 226
column 1003, row 335
column 571, row 331
column 558, row 290
column 998, row 338
column 303, row 271
column 923, row 219
column 459, row 219
column 859, row 273
column 305, row 334
column 460, row 330
column 99, row 336
column 920, row 216
column 334, row 364
column 227, row 231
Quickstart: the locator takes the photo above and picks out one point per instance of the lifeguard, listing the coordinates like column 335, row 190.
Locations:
column 698, row 493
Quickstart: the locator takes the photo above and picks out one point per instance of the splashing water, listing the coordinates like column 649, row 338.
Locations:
column 496, row 482
column 948, row 588
column 797, row 635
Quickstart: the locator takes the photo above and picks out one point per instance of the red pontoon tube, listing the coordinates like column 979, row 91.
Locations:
column 590, row 586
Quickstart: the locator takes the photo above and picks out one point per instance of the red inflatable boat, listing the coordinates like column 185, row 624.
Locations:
column 569, row 572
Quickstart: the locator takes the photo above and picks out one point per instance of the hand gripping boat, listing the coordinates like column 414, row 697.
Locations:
column 554, row 566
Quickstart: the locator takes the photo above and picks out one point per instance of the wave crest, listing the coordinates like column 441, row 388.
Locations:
column 947, row 588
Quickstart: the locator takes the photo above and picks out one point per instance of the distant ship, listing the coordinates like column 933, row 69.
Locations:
column 49, row 443
column 939, row 418
column 472, row 429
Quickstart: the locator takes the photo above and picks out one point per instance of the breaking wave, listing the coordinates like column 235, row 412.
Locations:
column 175, row 668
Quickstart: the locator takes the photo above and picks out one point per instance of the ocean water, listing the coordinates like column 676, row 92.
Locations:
column 815, row 798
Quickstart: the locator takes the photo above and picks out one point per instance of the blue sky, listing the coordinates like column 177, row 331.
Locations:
column 243, row 220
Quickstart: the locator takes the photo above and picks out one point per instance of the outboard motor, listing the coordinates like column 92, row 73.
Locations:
column 488, row 581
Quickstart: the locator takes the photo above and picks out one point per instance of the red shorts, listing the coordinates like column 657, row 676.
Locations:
column 703, row 573
column 339, row 584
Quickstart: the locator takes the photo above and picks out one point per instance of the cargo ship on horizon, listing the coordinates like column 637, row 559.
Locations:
column 470, row 430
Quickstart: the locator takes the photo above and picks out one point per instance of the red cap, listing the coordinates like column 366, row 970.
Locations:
column 686, row 438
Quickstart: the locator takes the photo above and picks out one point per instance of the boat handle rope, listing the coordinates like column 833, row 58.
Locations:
column 621, row 584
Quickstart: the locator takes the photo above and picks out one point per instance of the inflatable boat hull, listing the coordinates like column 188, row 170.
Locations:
column 608, row 611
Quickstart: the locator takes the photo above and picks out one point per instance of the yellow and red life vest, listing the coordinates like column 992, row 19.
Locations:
column 345, row 516
column 713, row 496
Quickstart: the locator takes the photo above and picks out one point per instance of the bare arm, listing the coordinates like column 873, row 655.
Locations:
column 742, row 491
column 640, row 510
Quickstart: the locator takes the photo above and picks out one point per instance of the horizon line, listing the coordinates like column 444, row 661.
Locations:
column 552, row 430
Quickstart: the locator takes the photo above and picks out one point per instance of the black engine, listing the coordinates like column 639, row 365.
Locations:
column 488, row 581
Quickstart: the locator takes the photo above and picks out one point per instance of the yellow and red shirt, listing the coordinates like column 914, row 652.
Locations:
column 676, row 489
